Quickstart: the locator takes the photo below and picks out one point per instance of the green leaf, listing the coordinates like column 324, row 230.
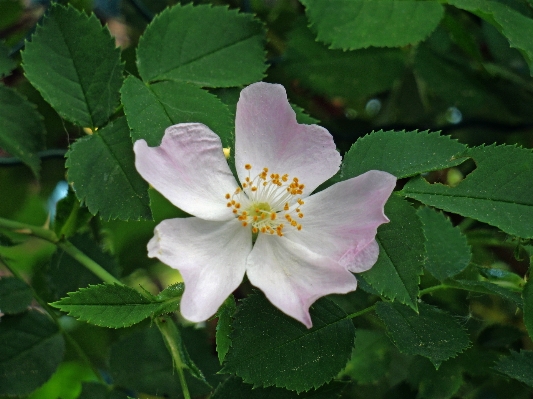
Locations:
column 150, row 109
column 101, row 169
column 401, row 153
column 204, row 45
column 431, row 333
column 32, row 348
column 21, row 128
column 15, row 295
column 107, row 305
column 234, row 388
column 73, row 62
column 486, row 287
column 270, row 348
column 517, row 28
column 435, row 384
column 527, row 296
column 447, row 250
column 497, row 192
column 355, row 24
column 7, row 64
column 518, row 366
column 396, row 274
column 70, row 216
column 224, row 314
column 371, row 357
column 335, row 73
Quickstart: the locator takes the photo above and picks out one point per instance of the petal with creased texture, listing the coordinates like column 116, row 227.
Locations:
column 189, row 169
column 342, row 220
column 293, row 277
column 267, row 135
column 211, row 257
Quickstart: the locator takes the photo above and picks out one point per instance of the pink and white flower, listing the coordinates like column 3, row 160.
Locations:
column 306, row 246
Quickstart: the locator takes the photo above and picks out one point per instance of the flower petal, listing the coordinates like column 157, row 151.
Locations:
column 341, row 221
column 267, row 135
column 189, row 169
column 293, row 277
column 365, row 258
column 211, row 257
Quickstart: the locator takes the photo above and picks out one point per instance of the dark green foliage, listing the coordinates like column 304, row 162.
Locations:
column 518, row 366
column 269, row 348
column 15, row 295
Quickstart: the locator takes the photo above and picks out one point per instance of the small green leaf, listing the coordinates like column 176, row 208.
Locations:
column 7, row 64
column 234, row 388
column 402, row 153
column 486, row 287
column 518, row 366
column 31, row 350
column 396, row 274
column 101, row 169
column 15, row 295
column 355, row 24
column 224, row 314
column 270, row 348
column 70, row 216
column 335, row 73
column 447, row 250
column 205, row 45
column 21, row 128
column 73, row 62
column 107, row 305
column 527, row 296
column 150, row 109
column 497, row 192
column 431, row 333
column 512, row 24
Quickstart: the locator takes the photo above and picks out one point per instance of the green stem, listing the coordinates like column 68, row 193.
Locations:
column 65, row 245
column 171, row 335
column 434, row 288
column 361, row 312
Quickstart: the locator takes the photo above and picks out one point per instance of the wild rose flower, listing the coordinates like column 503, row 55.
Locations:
column 306, row 246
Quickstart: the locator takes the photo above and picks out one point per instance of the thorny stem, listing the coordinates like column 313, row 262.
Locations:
column 171, row 336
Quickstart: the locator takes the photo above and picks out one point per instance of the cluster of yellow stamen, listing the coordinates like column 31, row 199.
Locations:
column 262, row 198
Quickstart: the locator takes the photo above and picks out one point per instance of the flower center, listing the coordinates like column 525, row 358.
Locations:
column 268, row 203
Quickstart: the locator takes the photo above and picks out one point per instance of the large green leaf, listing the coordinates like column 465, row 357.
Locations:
column 517, row 28
column 431, row 333
column 336, row 73
column 21, row 128
column 101, row 168
column 354, row 24
column 499, row 192
column 447, row 250
column 401, row 153
column 269, row 348
column 73, row 62
column 15, row 295
column 518, row 366
column 150, row 109
column 31, row 350
column 205, row 45
column 107, row 305
column 234, row 388
column 7, row 64
column 396, row 274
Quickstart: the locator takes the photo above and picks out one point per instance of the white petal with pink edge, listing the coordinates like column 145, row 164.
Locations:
column 293, row 277
column 211, row 257
column 268, row 136
column 189, row 169
column 341, row 221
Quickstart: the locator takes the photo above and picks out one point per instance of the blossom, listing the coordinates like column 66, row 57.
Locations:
column 306, row 246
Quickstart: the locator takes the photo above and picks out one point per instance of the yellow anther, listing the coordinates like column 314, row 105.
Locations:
column 247, row 166
column 235, row 211
column 293, row 223
column 286, row 207
column 255, row 218
column 300, row 215
column 237, row 205
column 255, row 230
column 244, row 185
column 299, row 227
column 238, row 190
column 273, row 216
column 254, row 188
column 263, row 229
column 228, row 196
column 247, row 179
column 300, row 201
column 297, row 210
column 229, row 204
column 232, row 202
column 244, row 224
column 288, row 217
